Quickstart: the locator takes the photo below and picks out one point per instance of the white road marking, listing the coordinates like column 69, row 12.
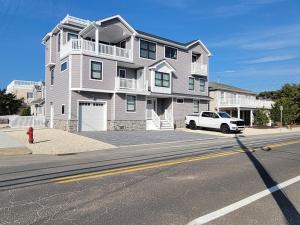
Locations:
column 246, row 201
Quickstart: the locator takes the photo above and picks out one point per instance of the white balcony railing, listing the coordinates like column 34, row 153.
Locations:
column 89, row 47
column 198, row 68
column 244, row 102
column 131, row 84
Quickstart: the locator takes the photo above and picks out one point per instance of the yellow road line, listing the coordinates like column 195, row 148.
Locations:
column 129, row 169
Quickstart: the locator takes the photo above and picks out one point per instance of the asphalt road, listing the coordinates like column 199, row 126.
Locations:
column 157, row 184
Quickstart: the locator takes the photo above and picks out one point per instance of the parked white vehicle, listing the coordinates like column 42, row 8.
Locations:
column 214, row 120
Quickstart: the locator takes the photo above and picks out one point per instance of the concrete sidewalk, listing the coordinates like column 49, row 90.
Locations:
column 55, row 142
column 10, row 146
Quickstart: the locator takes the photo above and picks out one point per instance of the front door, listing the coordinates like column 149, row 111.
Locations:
column 151, row 105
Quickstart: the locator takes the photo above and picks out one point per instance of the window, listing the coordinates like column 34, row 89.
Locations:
column 52, row 76
column 180, row 100
column 195, row 57
column 58, row 42
column 191, row 83
column 210, row 114
column 147, row 50
column 170, row 53
column 162, row 79
column 63, row 109
column 96, row 70
column 196, row 106
column 63, row 66
column 122, row 73
column 72, row 36
column 131, row 102
column 29, row 94
column 122, row 44
column 202, row 85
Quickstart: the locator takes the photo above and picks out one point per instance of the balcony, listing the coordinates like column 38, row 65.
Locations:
column 79, row 46
column 131, row 85
column 246, row 103
column 199, row 69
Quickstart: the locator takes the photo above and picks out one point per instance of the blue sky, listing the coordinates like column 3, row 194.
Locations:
column 255, row 43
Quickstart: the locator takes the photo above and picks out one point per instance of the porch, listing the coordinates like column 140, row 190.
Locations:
column 159, row 114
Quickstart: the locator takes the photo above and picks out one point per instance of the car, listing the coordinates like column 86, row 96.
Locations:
column 215, row 120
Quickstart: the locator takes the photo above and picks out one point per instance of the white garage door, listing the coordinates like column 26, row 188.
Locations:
column 92, row 116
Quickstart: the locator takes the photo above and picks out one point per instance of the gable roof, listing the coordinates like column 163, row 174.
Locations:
column 213, row 86
column 161, row 62
column 121, row 19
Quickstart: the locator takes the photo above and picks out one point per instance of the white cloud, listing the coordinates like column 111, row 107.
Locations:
column 273, row 58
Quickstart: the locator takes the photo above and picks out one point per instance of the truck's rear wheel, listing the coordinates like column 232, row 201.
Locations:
column 225, row 128
column 192, row 125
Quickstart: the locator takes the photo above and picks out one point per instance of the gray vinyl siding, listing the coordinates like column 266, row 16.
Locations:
column 130, row 73
column 47, row 51
column 122, row 114
column 180, row 110
column 182, row 66
column 76, row 68
column 109, row 71
column 91, row 96
column 53, row 48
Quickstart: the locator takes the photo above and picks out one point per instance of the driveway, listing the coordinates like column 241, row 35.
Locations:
column 121, row 138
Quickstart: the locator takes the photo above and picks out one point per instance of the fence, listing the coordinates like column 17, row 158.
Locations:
column 27, row 121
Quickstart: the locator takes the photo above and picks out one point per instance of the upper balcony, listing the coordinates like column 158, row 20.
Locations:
column 199, row 69
column 246, row 103
column 131, row 85
column 80, row 46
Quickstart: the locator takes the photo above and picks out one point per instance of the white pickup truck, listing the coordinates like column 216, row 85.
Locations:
column 214, row 120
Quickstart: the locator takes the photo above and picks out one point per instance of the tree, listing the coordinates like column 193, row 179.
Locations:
column 25, row 111
column 9, row 104
column 261, row 118
column 288, row 97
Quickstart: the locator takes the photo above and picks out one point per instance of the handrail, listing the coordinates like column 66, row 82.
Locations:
column 199, row 68
column 169, row 116
column 256, row 103
column 156, row 119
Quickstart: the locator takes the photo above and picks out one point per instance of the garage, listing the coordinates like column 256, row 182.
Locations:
column 92, row 116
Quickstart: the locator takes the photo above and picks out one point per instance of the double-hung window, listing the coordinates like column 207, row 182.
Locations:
column 202, row 85
column 52, row 76
column 170, row 53
column 96, row 70
column 162, row 79
column 147, row 49
column 196, row 106
column 191, row 83
column 130, row 103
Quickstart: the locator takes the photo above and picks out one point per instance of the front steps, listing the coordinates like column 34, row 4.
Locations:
column 165, row 125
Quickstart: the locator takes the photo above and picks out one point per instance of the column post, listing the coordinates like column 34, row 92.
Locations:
column 251, row 117
column 97, row 40
column 239, row 112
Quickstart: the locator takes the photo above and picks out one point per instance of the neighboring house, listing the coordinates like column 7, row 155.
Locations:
column 105, row 75
column 23, row 89
column 237, row 102
column 37, row 105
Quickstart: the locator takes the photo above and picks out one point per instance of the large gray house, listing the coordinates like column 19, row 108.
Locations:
column 106, row 75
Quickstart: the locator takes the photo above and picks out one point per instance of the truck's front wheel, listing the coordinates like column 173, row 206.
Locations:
column 192, row 125
column 225, row 128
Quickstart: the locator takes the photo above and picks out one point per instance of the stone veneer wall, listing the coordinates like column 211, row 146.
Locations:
column 67, row 125
column 126, row 125
column 179, row 123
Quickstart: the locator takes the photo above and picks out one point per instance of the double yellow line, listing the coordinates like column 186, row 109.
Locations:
column 129, row 169
column 146, row 166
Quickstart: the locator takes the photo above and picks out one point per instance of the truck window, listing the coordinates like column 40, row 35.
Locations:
column 206, row 114
column 214, row 115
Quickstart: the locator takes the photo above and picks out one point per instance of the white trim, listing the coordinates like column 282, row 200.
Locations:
column 180, row 102
column 123, row 70
column 171, row 68
column 66, row 61
column 140, row 49
column 202, row 45
column 52, row 69
column 81, row 71
column 93, row 101
column 92, row 90
column 50, row 49
column 126, row 111
column 114, row 105
column 90, row 68
column 173, row 48
column 70, row 86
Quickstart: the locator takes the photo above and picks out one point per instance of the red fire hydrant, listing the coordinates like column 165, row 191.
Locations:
column 30, row 135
